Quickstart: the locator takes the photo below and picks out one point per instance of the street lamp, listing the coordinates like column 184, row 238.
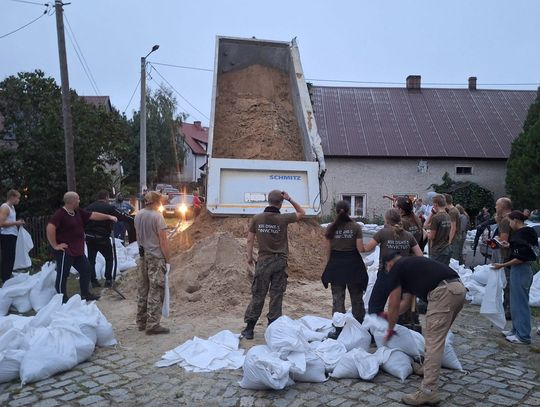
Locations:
column 142, row 168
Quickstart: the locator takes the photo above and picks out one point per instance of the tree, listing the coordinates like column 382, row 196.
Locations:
column 30, row 104
column 165, row 150
column 523, row 167
column 470, row 195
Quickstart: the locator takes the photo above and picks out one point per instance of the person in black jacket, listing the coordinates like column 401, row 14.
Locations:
column 523, row 250
column 97, row 236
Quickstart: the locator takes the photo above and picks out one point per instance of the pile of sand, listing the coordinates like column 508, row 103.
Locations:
column 255, row 117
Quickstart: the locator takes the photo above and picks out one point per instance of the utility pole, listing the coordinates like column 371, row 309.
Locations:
column 142, row 161
column 66, row 97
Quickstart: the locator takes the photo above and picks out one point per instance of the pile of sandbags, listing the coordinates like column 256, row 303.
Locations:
column 371, row 228
column 299, row 351
column 56, row 339
column 125, row 257
column 24, row 292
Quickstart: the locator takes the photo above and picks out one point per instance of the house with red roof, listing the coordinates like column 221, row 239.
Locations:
column 195, row 137
column 399, row 141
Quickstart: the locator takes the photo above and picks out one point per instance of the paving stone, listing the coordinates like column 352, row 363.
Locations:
column 501, row 400
column 107, row 378
column 63, row 383
column 494, row 383
column 70, row 375
column 52, row 393
column 512, row 394
column 24, row 401
column 72, row 396
column 532, row 401
column 90, row 400
column 89, row 384
column 46, row 403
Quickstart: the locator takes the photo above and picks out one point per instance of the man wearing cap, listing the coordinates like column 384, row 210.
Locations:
column 270, row 228
column 441, row 287
column 154, row 249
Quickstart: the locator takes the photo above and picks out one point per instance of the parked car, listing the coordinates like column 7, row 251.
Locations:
column 180, row 206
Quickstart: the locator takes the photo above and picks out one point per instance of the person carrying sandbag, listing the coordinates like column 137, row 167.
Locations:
column 345, row 268
column 441, row 288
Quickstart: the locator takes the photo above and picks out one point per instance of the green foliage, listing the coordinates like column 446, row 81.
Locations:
column 165, row 151
column 470, row 195
column 523, row 167
column 32, row 109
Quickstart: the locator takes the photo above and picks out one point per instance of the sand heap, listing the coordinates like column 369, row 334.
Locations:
column 255, row 116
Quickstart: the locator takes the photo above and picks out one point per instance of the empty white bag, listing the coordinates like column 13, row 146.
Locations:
column 492, row 302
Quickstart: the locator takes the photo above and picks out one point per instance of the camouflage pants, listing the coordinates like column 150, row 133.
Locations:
column 150, row 291
column 270, row 273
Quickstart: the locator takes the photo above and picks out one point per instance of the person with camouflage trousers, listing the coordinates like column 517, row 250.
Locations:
column 270, row 228
column 154, row 250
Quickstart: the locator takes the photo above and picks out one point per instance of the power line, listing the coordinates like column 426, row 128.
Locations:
column 133, row 94
column 31, row 2
column 173, row 88
column 194, row 68
column 24, row 26
column 160, row 85
column 81, row 57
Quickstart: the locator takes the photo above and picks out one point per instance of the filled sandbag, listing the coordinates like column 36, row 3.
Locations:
column 329, row 351
column 315, row 371
column 43, row 317
column 13, row 339
column 402, row 340
column 395, row 362
column 353, row 335
column 263, row 369
column 481, row 273
column 10, row 364
column 285, row 335
column 357, row 364
column 43, row 290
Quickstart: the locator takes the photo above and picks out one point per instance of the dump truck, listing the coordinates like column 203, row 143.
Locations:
column 262, row 133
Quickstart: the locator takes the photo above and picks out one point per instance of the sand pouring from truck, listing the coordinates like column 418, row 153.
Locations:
column 263, row 134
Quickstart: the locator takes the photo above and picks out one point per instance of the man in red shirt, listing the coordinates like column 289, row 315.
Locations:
column 65, row 233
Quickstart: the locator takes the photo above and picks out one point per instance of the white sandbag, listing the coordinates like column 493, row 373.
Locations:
column 316, row 323
column 402, row 340
column 372, row 260
column 5, row 303
column 329, row 351
column 315, row 371
column 22, row 247
column 354, row 335
column 492, row 302
column 372, row 277
column 44, row 315
column 534, row 293
column 357, row 364
column 285, row 335
column 104, row 330
column 263, row 369
column 450, row 359
column 18, row 289
column 13, row 339
column 132, row 250
column 475, row 292
column 84, row 346
column 481, row 273
column 42, row 292
column 311, row 335
column 199, row 355
column 395, row 362
column 51, row 351
column 14, row 321
column 10, row 364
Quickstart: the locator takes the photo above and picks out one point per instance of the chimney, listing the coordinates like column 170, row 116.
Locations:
column 413, row 81
column 197, row 125
column 472, row 82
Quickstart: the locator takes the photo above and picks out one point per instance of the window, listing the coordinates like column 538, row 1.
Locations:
column 358, row 204
column 463, row 170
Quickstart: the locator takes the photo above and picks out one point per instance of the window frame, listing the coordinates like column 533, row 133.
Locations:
column 470, row 167
column 352, row 202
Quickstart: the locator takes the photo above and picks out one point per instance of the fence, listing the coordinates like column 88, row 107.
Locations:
column 37, row 227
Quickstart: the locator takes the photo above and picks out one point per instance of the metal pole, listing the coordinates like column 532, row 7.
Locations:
column 142, row 169
column 66, row 98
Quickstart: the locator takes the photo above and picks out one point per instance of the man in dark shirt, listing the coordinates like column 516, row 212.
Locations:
column 440, row 286
column 97, row 235
column 270, row 228
column 65, row 233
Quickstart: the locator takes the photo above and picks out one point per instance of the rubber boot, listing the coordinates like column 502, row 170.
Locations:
column 335, row 333
column 247, row 333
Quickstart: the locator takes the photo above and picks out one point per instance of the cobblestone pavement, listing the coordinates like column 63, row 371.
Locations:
column 498, row 373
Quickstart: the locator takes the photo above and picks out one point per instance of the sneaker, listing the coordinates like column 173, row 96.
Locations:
column 506, row 333
column 95, row 284
column 421, row 398
column 91, row 297
column 515, row 339
column 157, row 330
column 418, row 369
column 108, row 283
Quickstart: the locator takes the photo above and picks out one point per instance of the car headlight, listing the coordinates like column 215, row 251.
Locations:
column 161, row 208
column 182, row 208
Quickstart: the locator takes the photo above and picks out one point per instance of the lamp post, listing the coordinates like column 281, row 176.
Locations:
column 142, row 168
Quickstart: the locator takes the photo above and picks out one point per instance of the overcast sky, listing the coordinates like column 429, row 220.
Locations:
column 382, row 40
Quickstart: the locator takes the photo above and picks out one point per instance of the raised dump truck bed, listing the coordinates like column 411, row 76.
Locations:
column 262, row 133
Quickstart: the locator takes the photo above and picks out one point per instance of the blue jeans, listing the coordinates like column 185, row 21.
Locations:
column 521, row 276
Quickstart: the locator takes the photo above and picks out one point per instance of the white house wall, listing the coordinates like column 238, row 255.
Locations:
column 376, row 177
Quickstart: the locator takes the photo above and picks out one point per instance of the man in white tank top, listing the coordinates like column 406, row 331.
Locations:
column 9, row 229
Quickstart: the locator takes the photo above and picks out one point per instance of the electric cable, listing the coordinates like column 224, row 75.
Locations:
column 133, row 94
column 24, row 26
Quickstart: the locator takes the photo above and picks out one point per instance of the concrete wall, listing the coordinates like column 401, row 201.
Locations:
column 376, row 177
